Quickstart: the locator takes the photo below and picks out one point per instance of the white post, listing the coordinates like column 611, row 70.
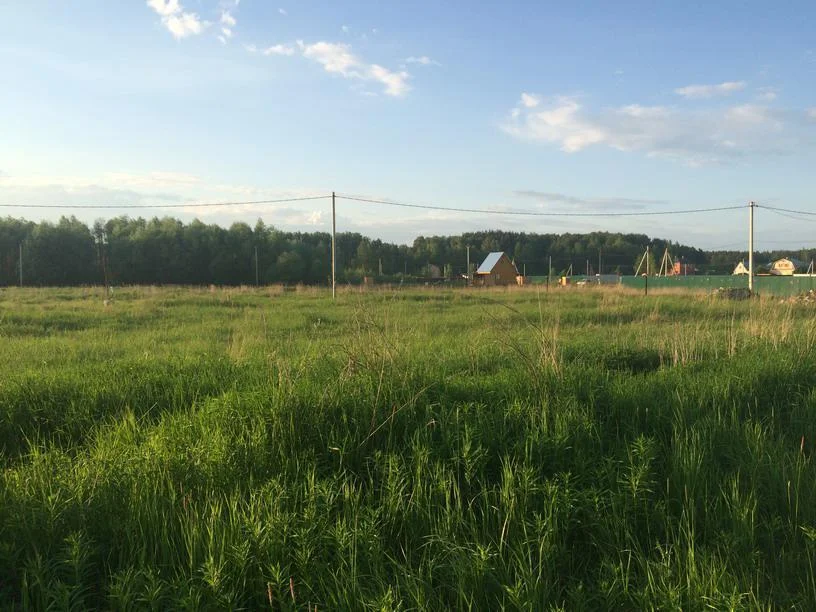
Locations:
column 333, row 249
column 751, row 206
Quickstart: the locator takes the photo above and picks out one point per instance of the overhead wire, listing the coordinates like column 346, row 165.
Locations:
column 144, row 206
column 530, row 213
column 788, row 210
column 785, row 214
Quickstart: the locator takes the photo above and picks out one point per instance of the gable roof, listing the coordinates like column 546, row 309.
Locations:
column 490, row 262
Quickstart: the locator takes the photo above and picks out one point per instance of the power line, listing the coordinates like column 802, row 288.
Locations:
column 778, row 211
column 143, row 206
column 788, row 210
column 487, row 211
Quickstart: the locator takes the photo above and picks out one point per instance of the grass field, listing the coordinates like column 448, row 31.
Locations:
column 228, row 449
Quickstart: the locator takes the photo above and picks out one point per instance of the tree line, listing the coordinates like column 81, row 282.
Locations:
column 168, row 251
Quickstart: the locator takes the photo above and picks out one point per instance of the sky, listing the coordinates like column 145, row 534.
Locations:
column 581, row 107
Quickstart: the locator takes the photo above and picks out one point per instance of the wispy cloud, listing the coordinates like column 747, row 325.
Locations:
column 693, row 136
column 283, row 12
column 178, row 22
column 530, row 100
column 546, row 198
column 279, row 50
column 811, row 113
column 338, row 58
column 422, row 60
column 709, row 91
column 345, row 29
column 767, row 94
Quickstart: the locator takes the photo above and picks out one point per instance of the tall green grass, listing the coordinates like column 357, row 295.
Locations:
column 241, row 449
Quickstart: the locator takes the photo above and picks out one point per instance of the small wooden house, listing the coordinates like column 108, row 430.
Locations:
column 496, row 269
column 742, row 268
column 786, row 266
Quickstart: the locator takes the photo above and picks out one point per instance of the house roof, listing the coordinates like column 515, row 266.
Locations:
column 490, row 262
column 796, row 262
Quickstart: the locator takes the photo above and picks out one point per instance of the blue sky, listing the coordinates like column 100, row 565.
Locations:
column 563, row 107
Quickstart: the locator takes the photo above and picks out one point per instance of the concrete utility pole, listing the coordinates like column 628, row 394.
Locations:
column 256, row 267
column 21, row 264
column 751, row 207
column 334, row 249
column 468, row 264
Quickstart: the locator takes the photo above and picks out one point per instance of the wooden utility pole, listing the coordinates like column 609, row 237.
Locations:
column 646, row 283
column 334, row 249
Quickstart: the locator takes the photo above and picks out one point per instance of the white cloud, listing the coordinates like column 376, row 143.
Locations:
column 752, row 114
column 251, row 48
column 186, row 24
column 165, row 8
column 345, row 29
column 561, row 123
column 334, row 57
column 279, row 50
column 338, row 58
column 283, row 12
column 226, row 33
column 693, row 136
column 709, row 91
column 423, row 60
column 530, row 100
column 178, row 22
column 396, row 83
column 811, row 113
column 767, row 94
column 227, row 19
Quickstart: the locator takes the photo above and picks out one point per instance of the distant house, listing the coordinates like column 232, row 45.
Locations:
column 786, row 266
column 742, row 268
column 496, row 269
column 682, row 268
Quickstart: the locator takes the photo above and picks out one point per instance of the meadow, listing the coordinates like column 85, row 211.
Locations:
column 429, row 449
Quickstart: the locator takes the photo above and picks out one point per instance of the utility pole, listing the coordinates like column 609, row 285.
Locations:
column 587, row 268
column 256, row 266
column 646, row 283
column 468, row 264
column 751, row 206
column 381, row 266
column 599, row 263
column 334, row 250
column 21, row 264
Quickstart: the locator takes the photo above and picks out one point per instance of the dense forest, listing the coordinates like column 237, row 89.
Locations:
column 167, row 251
